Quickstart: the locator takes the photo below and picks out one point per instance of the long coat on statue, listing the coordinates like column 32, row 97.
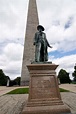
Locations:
column 41, row 45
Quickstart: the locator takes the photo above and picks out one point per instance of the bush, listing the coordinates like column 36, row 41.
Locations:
column 64, row 76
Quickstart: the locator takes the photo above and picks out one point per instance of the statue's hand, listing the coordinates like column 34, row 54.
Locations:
column 50, row 46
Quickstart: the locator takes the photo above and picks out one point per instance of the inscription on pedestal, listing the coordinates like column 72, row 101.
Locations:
column 43, row 87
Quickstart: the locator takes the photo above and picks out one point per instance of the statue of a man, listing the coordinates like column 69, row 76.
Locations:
column 41, row 45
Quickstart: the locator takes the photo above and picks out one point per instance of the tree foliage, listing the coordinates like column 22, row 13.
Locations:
column 3, row 78
column 15, row 81
column 74, row 73
column 64, row 76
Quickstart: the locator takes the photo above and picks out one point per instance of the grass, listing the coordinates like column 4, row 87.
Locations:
column 26, row 91
column 63, row 90
column 19, row 91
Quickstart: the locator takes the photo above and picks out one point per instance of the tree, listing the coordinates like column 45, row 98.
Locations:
column 64, row 76
column 15, row 81
column 3, row 78
column 74, row 73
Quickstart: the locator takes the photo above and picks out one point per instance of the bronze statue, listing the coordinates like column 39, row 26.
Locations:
column 41, row 45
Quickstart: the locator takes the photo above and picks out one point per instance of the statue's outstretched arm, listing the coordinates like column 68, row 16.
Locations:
column 47, row 42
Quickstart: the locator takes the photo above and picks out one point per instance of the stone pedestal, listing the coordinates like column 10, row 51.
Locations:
column 44, row 95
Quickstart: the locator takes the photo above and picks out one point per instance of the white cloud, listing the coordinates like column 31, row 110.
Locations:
column 57, row 11
column 65, row 38
column 13, row 15
column 13, row 69
column 11, row 59
column 13, row 51
column 55, row 34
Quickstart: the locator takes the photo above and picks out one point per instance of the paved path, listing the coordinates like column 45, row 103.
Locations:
column 70, row 87
column 4, row 89
column 13, row 104
column 69, row 99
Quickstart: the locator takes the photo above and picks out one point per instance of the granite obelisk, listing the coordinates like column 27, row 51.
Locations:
column 28, row 55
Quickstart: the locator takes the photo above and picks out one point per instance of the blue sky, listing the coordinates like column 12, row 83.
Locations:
column 59, row 19
column 57, row 54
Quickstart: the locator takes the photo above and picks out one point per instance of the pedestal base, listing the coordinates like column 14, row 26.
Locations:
column 44, row 95
column 56, row 109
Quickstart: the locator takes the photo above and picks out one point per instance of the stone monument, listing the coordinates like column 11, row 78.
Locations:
column 28, row 55
column 44, row 95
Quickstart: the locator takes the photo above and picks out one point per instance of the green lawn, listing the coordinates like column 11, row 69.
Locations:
column 63, row 90
column 19, row 91
column 26, row 91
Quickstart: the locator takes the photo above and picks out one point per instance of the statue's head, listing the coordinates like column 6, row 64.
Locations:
column 40, row 27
